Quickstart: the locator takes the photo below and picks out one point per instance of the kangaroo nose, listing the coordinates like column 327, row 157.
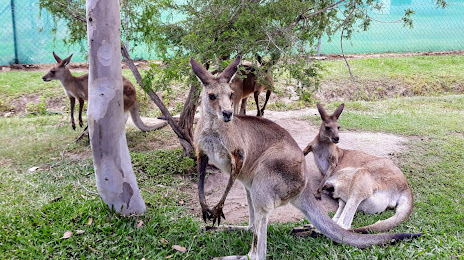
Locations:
column 336, row 139
column 227, row 115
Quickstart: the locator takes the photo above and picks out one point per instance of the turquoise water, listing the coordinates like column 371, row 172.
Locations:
column 434, row 30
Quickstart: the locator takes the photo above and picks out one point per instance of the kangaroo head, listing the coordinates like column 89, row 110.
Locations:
column 329, row 127
column 217, row 96
column 58, row 70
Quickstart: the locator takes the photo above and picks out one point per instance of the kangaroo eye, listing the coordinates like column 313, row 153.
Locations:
column 327, row 128
column 231, row 95
column 53, row 72
column 338, row 128
column 212, row 97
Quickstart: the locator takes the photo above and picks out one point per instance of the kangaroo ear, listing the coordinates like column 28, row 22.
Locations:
column 202, row 74
column 57, row 58
column 229, row 72
column 66, row 61
column 322, row 112
column 338, row 111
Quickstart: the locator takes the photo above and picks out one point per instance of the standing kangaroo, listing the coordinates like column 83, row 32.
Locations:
column 77, row 88
column 358, row 180
column 266, row 160
column 243, row 88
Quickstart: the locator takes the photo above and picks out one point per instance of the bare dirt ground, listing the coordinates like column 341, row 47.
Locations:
column 236, row 207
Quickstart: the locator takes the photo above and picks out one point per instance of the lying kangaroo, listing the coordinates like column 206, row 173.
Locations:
column 244, row 87
column 77, row 88
column 358, row 180
column 266, row 160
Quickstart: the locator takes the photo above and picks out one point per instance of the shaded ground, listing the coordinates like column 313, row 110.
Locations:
column 236, row 207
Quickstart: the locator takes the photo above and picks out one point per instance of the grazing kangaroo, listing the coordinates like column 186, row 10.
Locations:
column 358, row 180
column 266, row 160
column 77, row 88
column 244, row 87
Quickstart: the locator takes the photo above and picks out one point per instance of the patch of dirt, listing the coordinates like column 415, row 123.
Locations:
column 19, row 105
column 236, row 207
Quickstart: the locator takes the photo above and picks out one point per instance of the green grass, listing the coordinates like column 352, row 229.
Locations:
column 17, row 83
column 33, row 223
column 427, row 67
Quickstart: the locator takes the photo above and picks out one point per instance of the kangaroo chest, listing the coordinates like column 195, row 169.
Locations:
column 323, row 158
column 213, row 146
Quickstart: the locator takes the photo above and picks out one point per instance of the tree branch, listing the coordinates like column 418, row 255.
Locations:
column 302, row 16
column 175, row 127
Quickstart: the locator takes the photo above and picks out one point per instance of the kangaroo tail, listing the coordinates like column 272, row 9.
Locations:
column 308, row 205
column 403, row 210
column 135, row 115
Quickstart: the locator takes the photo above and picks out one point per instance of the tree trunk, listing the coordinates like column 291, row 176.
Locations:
column 187, row 117
column 115, row 178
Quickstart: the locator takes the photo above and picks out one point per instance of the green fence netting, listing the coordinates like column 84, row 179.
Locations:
column 26, row 35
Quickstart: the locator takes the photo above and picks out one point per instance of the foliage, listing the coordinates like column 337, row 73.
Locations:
column 214, row 31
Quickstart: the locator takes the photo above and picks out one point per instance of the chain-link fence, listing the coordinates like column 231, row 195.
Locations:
column 26, row 35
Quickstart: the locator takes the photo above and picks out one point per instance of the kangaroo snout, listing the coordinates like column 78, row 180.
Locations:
column 335, row 139
column 227, row 115
column 44, row 78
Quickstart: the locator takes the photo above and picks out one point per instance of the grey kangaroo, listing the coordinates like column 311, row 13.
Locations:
column 266, row 160
column 77, row 88
column 358, row 181
column 243, row 88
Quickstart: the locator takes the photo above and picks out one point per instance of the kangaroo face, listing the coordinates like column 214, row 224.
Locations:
column 217, row 95
column 330, row 127
column 219, row 100
column 57, row 72
column 329, row 130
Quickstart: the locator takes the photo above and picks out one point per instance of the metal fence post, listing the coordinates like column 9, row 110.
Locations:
column 16, row 61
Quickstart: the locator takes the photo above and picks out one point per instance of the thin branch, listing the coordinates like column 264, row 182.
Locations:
column 341, row 40
column 175, row 127
column 71, row 13
column 302, row 16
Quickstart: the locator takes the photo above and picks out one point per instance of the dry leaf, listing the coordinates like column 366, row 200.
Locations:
column 179, row 248
column 169, row 256
column 163, row 241
column 140, row 224
column 67, row 234
column 90, row 222
column 78, row 232
column 181, row 202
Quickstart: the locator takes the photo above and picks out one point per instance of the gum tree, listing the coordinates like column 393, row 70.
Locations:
column 115, row 178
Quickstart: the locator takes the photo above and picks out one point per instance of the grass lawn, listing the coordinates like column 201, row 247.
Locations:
column 38, row 207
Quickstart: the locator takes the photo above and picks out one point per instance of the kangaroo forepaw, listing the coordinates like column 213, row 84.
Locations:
column 206, row 213
column 217, row 214
column 81, row 124
column 318, row 194
column 73, row 126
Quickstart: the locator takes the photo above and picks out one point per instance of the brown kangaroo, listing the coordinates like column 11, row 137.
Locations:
column 77, row 88
column 244, row 87
column 266, row 160
column 358, row 180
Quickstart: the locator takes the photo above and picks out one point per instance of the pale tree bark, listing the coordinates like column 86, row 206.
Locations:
column 115, row 178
